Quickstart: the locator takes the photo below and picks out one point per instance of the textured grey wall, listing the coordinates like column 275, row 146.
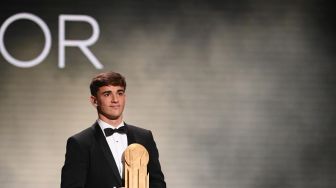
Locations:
column 238, row 93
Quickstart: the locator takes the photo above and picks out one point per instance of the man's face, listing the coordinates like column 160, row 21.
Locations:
column 110, row 102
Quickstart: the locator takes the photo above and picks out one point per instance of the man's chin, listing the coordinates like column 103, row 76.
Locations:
column 110, row 116
column 114, row 117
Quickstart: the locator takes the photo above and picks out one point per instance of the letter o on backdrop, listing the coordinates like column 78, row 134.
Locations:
column 47, row 44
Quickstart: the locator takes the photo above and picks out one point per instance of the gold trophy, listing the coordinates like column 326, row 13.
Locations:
column 136, row 160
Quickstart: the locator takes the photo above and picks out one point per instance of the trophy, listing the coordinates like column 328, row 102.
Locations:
column 136, row 160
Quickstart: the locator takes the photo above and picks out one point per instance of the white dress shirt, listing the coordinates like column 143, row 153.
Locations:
column 117, row 143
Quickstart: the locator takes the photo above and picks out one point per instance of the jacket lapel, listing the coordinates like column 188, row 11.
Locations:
column 106, row 151
column 130, row 135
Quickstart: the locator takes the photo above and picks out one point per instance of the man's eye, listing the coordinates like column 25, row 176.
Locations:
column 121, row 93
column 106, row 94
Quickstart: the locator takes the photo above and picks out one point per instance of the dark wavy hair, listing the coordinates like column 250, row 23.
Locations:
column 106, row 79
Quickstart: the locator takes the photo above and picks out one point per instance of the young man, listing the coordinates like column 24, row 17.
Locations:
column 93, row 157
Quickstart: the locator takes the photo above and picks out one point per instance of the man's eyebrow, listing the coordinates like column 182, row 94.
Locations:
column 120, row 90
column 107, row 91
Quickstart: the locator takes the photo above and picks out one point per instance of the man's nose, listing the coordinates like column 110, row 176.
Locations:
column 114, row 98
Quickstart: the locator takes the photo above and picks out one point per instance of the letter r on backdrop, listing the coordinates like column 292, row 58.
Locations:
column 81, row 44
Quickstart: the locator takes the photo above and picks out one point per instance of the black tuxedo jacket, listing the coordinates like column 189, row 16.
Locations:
column 89, row 162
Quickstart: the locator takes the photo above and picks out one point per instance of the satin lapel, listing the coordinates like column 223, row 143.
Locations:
column 130, row 135
column 106, row 150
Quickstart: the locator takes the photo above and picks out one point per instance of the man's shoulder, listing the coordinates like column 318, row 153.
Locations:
column 84, row 135
column 137, row 129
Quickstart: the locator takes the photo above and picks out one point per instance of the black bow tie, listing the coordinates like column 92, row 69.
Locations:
column 110, row 131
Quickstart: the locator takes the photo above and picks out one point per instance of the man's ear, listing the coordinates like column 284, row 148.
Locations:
column 93, row 100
